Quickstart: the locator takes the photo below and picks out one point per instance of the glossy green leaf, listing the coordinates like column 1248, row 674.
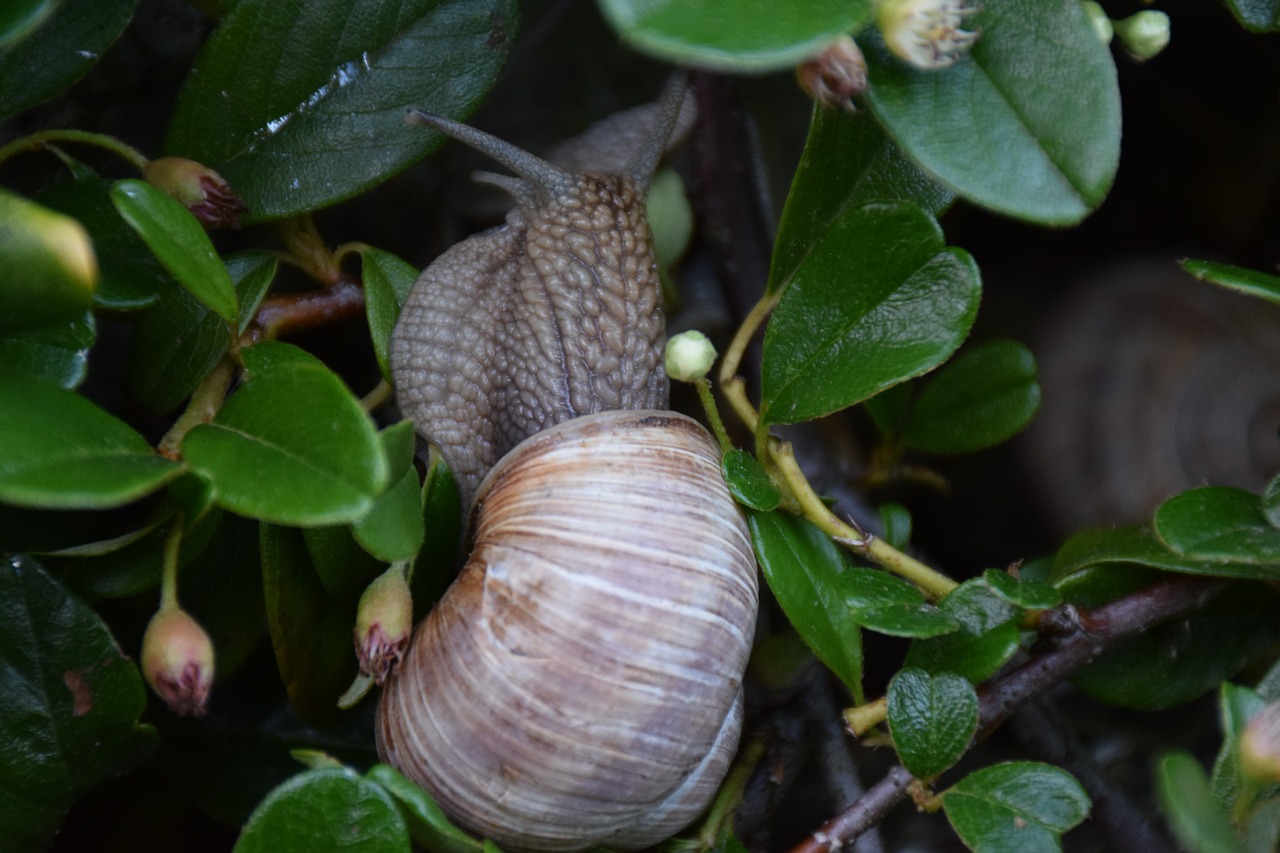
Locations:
column 387, row 282
column 932, row 719
column 1027, row 593
column 847, row 162
column 1256, row 15
column 69, row 716
column 1254, row 283
column 717, row 34
column 179, row 242
column 58, row 450
column 1219, row 523
column 393, row 529
column 748, row 482
column 50, row 268
column 896, row 519
column 980, row 398
column 301, row 105
column 292, row 445
column 805, row 569
column 331, row 808
column 442, row 516
column 1197, row 818
column 20, row 17
column 1019, row 805
column 58, row 354
column 1138, row 545
column 889, row 605
column 987, row 638
column 40, row 60
column 878, row 300
column 1027, row 125
column 429, row 826
column 1236, row 706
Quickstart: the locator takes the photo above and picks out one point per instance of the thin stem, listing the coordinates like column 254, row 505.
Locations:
column 203, row 405
column 303, row 240
column 38, row 141
column 380, row 394
column 169, row 569
column 863, row 718
column 720, row 815
column 708, row 401
column 732, row 385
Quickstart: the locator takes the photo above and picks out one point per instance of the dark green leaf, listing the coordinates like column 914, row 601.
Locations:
column 37, row 62
column 57, row 353
column 1252, row 282
column 1027, row 125
column 393, row 529
column 1219, row 523
column 69, row 716
column 878, row 300
column 896, row 519
column 327, row 809
column 252, row 273
column 343, row 567
column 1019, row 805
column 292, row 445
column 982, row 397
column 889, row 408
column 179, row 242
column 222, row 589
column 300, row 105
column 437, row 562
column 1271, row 502
column 987, row 638
column 50, row 269
column 804, row 569
column 748, row 482
column 20, row 17
column 1022, row 592
column 717, row 34
column 387, row 282
column 1236, row 706
column 847, row 162
column 889, row 605
column 1136, row 544
column 428, row 824
column 1256, row 15
column 58, row 450
column 1197, row 818
column 932, row 719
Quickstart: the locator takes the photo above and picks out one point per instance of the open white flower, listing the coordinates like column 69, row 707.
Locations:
column 928, row 34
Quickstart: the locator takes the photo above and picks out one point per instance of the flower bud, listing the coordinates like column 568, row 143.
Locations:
column 926, row 33
column 177, row 661
column 384, row 622
column 1260, row 746
column 836, row 76
column 1098, row 17
column 1145, row 34
column 200, row 189
column 689, row 356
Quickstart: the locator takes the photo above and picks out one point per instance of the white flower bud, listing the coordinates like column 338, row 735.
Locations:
column 928, row 34
column 689, row 356
column 1145, row 34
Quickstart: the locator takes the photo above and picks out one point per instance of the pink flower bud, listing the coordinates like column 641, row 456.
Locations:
column 383, row 624
column 836, row 76
column 177, row 661
column 200, row 189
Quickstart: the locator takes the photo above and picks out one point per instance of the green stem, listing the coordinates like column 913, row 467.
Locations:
column 38, row 141
column 719, row 820
column 708, row 401
column 169, row 569
column 204, row 404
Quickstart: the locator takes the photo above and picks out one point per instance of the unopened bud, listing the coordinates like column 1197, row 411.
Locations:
column 1260, row 746
column 689, row 356
column 384, row 622
column 177, row 661
column 200, row 189
column 928, row 34
column 1145, row 34
column 1098, row 17
column 836, row 76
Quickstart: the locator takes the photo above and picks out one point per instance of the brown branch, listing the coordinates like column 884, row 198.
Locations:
column 281, row 315
column 1085, row 635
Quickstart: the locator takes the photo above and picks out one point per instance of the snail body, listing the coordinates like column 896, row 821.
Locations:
column 580, row 683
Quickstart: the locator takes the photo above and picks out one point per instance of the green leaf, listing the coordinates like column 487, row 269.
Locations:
column 1019, row 805
column 1197, row 818
column 847, row 162
column 59, row 451
column 222, row 589
column 1028, row 125
column 327, row 809
column 980, row 398
column 932, row 719
column 878, row 300
column 20, row 17
column 987, row 638
column 343, row 567
column 50, row 268
column 179, row 242
column 1257, row 15
column 37, row 62
column 437, row 562
column 1219, row 523
column 301, row 105
column 1136, row 544
column 717, row 34
column 1236, row 706
column 748, row 482
column 1251, row 282
column 387, row 282
column 58, row 354
column 69, row 717
column 292, row 445
column 428, row 824
column 1027, row 593
column 804, row 568
column 1271, row 502
column 393, row 529
column 889, row 605
column 896, row 519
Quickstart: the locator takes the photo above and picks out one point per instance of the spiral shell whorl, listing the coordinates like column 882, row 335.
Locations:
column 533, row 720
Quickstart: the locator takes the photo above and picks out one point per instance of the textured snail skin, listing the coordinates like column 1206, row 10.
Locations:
column 591, row 693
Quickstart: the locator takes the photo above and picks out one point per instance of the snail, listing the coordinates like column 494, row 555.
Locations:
column 580, row 683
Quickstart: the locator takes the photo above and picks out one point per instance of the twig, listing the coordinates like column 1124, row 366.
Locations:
column 280, row 315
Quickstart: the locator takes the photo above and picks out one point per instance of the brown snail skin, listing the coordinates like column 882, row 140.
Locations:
column 580, row 684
